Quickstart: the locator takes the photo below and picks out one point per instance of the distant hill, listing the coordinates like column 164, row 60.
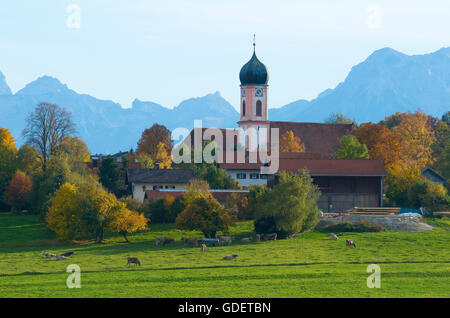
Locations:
column 104, row 125
column 386, row 82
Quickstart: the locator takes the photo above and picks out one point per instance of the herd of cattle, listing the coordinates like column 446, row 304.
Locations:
column 220, row 240
column 194, row 241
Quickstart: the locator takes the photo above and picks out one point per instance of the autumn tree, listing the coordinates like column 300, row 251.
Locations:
column 338, row 118
column 17, row 191
column 6, row 140
column 127, row 221
column 202, row 211
column 46, row 127
column 417, row 137
column 350, row 148
column 400, row 178
column 382, row 143
column 87, row 211
column 163, row 157
column 64, row 215
column 8, row 163
column 237, row 204
column 291, row 143
column 204, row 214
column 151, row 138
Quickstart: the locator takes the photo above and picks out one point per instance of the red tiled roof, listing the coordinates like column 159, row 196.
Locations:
column 319, row 167
column 318, row 137
column 335, row 167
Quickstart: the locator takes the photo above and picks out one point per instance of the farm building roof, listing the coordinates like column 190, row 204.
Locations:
column 319, row 167
column 160, row 175
column 317, row 137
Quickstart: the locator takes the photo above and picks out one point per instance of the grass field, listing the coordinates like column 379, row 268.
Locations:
column 413, row 264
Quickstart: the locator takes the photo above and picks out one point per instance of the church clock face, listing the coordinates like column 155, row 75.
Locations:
column 259, row 92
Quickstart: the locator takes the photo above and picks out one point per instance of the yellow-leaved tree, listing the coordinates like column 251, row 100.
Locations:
column 127, row 221
column 417, row 137
column 401, row 177
column 64, row 217
column 291, row 143
column 7, row 140
column 163, row 157
column 87, row 211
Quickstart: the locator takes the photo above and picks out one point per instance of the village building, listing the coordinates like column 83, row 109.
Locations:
column 432, row 176
column 142, row 180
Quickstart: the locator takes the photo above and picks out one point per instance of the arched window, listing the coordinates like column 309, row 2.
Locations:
column 258, row 108
column 243, row 108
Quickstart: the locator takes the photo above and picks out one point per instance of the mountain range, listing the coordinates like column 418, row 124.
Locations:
column 386, row 82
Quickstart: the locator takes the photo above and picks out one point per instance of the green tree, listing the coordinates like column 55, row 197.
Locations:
column 253, row 197
column 446, row 118
column 289, row 207
column 216, row 178
column 351, row 148
column 424, row 193
column 28, row 160
column 8, row 166
column 112, row 177
column 338, row 118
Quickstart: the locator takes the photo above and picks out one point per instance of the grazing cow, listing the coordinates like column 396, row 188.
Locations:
column 164, row 240
column 159, row 240
column 232, row 256
column 133, row 260
column 60, row 258
column 203, row 248
column 258, row 237
column 225, row 239
column 168, row 240
column 189, row 241
column 334, row 236
column 49, row 255
column 246, row 239
column 67, row 254
column 350, row 243
column 271, row 236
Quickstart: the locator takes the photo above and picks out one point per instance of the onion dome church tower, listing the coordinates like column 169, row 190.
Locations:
column 254, row 124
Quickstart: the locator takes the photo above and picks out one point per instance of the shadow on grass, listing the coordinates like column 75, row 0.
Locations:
column 128, row 269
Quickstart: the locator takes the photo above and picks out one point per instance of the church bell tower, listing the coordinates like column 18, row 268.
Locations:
column 253, row 122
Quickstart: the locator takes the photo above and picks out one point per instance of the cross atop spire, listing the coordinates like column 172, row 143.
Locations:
column 254, row 42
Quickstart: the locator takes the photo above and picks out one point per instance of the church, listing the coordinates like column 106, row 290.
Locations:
column 344, row 183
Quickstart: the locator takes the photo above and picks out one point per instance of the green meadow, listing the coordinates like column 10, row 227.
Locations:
column 413, row 264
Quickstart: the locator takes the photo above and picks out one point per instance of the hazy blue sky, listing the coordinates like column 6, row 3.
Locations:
column 167, row 51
